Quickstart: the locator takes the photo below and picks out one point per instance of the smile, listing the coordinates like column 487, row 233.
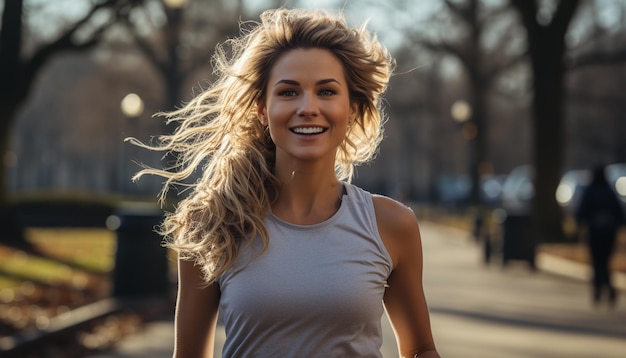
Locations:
column 308, row 130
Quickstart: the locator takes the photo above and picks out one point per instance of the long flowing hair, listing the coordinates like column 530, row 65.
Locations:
column 219, row 133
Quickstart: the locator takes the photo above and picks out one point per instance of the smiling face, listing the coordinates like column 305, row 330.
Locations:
column 307, row 107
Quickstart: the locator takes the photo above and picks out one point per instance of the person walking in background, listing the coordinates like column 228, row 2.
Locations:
column 298, row 261
column 600, row 215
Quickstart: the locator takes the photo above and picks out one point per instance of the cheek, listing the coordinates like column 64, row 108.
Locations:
column 274, row 127
column 344, row 115
column 275, row 113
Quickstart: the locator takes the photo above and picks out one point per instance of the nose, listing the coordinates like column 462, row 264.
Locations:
column 308, row 105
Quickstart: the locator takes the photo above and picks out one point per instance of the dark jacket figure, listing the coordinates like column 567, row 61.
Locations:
column 601, row 213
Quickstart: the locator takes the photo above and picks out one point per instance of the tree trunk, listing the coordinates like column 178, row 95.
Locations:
column 548, row 133
column 11, row 90
column 472, row 60
column 479, row 152
column 5, row 130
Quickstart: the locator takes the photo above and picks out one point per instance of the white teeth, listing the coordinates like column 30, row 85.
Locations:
column 308, row 130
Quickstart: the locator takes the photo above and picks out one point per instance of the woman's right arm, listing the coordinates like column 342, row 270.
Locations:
column 196, row 313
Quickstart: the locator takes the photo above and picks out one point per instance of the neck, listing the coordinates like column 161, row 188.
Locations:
column 307, row 195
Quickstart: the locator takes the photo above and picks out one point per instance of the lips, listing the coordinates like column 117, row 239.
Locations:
column 308, row 130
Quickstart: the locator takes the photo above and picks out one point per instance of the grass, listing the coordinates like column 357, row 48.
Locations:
column 7, row 283
column 91, row 249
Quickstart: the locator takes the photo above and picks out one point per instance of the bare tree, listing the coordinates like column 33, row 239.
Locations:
column 481, row 37
column 19, row 68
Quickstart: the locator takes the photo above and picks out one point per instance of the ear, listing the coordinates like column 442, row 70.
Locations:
column 261, row 112
column 354, row 112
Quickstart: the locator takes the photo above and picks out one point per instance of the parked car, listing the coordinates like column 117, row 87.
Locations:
column 571, row 188
column 455, row 191
column 616, row 175
column 518, row 190
column 491, row 188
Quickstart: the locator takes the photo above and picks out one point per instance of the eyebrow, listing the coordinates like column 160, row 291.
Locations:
column 292, row 82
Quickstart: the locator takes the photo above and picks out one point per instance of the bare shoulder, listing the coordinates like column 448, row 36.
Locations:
column 397, row 226
column 393, row 213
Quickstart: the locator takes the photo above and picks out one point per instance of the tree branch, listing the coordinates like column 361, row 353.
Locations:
column 11, row 34
column 144, row 47
column 528, row 11
column 64, row 41
column 597, row 56
column 562, row 16
column 457, row 10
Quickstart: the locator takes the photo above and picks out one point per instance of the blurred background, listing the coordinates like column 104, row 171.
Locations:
column 498, row 109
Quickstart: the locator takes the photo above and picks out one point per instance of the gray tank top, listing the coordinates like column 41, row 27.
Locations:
column 316, row 292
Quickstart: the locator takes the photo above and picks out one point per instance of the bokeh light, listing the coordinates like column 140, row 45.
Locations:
column 132, row 105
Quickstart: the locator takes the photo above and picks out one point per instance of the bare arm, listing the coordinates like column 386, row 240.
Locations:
column 404, row 298
column 196, row 313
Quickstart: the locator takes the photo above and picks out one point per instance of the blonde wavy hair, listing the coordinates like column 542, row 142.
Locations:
column 219, row 133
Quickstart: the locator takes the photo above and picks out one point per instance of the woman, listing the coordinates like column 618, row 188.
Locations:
column 297, row 261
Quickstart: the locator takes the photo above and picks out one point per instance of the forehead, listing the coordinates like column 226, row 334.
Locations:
column 313, row 63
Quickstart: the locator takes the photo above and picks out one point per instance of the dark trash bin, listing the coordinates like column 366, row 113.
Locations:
column 141, row 265
column 518, row 242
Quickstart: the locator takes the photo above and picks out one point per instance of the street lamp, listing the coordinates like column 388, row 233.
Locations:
column 462, row 113
column 132, row 108
column 133, row 224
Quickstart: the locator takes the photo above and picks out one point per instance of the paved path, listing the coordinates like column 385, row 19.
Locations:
column 481, row 311
column 511, row 312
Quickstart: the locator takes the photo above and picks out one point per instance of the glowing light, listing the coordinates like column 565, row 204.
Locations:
column 620, row 186
column 461, row 111
column 175, row 4
column 113, row 222
column 132, row 105
column 564, row 194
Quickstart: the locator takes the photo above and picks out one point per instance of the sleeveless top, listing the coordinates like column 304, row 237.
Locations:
column 316, row 291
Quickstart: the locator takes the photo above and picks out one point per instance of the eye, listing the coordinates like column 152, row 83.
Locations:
column 327, row 92
column 287, row 93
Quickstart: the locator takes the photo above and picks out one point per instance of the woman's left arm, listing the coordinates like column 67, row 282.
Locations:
column 404, row 298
